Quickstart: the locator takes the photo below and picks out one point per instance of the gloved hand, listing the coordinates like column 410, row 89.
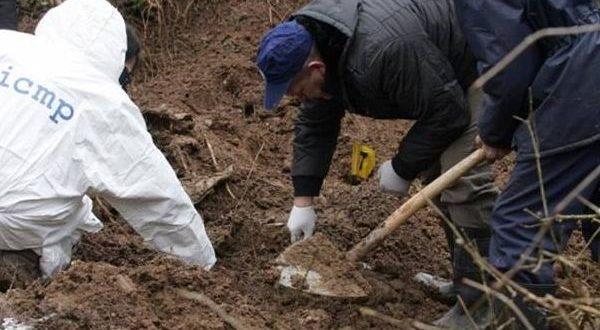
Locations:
column 301, row 223
column 390, row 182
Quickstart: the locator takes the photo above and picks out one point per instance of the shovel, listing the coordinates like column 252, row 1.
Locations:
column 315, row 266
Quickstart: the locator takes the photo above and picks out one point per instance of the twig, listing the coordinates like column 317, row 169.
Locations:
column 536, row 150
column 214, row 160
column 502, row 298
column 589, row 204
column 199, row 189
column 365, row 311
column 546, row 225
column 262, row 146
column 212, row 152
column 217, row 309
column 576, row 217
column 422, row 326
column 182, row 159
column 580, row 187
column 273, row 10
column 587, row 245
column 467, row 312
column 548, row 302
column 270, row 13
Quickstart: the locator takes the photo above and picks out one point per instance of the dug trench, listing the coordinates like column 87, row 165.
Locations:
column 206, row 96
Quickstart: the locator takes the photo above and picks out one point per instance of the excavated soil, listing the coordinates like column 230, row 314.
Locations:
column 206, row 91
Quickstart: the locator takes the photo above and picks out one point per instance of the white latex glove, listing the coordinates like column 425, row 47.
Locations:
column 390, row 182
column 301, row 223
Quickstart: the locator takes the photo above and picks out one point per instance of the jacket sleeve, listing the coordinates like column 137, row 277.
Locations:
column 419, row 79
column 121, row 163
column 316, row 130
column 492, row 29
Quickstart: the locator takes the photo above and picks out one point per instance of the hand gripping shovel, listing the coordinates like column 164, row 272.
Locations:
column 315, row 266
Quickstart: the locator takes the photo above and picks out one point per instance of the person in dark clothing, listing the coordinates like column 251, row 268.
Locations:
column 385, row 59
column 562, row 74
column 132, row 55
column 8, row 14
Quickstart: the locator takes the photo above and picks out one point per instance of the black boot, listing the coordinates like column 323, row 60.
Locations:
column 464, row 267
column 535, row 315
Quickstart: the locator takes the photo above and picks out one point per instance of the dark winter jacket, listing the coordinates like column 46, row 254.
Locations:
column 563, row 73
column 404, row 59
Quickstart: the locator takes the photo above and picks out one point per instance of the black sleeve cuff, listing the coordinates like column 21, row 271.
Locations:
column 307, row 185
column 404, row 169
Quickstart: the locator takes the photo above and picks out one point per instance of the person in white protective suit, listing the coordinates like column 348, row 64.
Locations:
column 67, row 128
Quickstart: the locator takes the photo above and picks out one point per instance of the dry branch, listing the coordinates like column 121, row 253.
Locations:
column 214, row 160
column 217, row 309
column 365, row 311
column 198, row 189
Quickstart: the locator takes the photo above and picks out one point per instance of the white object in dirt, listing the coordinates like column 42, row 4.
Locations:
column 12, row 324
column 299, row 278
column 69, row 129
column 365, row 265
column 439, row 284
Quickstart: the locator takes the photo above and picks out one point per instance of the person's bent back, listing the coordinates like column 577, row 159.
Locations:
column 67, row 129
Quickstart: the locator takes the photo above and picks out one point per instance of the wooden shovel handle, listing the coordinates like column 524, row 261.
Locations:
column 414, row 204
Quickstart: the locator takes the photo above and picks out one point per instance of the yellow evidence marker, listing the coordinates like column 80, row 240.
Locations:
column 363, row 161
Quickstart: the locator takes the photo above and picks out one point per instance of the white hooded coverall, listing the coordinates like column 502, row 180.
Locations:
column 67, row 129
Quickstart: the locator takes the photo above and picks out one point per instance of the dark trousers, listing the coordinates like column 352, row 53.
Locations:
column 8, row 14
column 515, row 228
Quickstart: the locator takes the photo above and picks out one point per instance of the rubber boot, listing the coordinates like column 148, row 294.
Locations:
column 449, row 237
column 535, row 315
column 464, row 267
column 589, row 230
column 439, row 288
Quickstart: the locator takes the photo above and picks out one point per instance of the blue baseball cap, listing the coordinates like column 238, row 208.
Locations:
column 281, row 55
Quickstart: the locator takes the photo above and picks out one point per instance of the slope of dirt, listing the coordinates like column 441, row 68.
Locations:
column 208, row 92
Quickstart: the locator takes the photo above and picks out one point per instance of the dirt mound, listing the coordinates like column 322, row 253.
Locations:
column 208, row 92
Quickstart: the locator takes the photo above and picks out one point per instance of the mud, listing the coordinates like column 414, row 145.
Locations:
column 207, row 91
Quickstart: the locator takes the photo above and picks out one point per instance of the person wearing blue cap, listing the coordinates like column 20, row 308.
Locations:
column 385, row 59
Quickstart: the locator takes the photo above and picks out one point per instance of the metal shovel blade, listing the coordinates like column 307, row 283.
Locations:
column 315, row 266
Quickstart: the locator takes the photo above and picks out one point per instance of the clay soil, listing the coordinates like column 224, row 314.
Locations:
column 206, row 89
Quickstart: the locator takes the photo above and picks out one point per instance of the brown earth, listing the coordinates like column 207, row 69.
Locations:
column 207, row 90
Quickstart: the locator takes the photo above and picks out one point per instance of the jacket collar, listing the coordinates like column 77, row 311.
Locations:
column 343, row 15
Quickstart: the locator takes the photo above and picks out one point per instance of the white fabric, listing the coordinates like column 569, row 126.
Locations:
column 301, row 223
column 390, row 182
column 67, row 128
